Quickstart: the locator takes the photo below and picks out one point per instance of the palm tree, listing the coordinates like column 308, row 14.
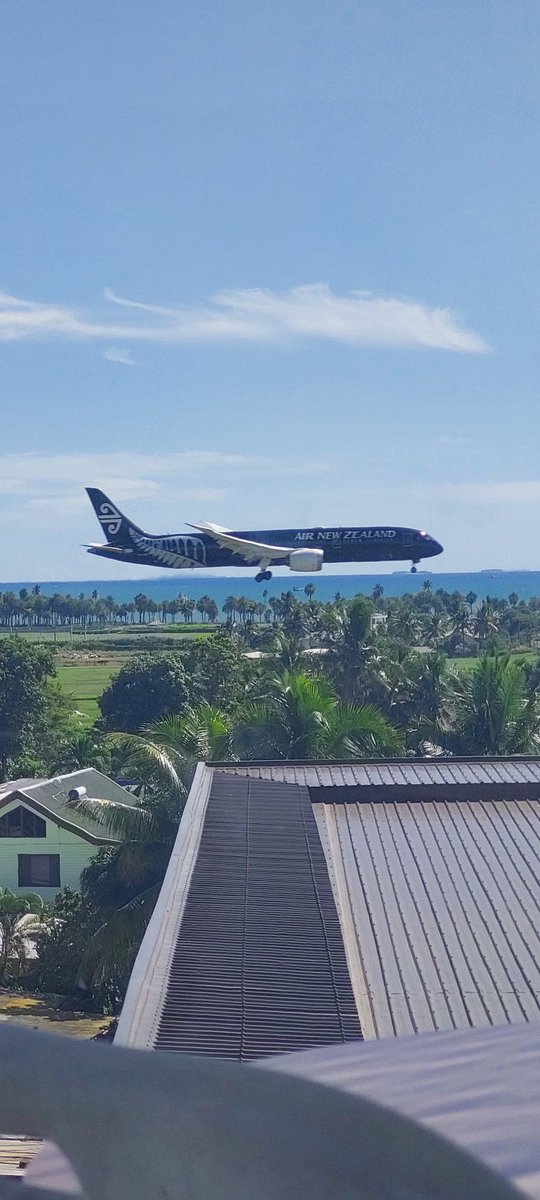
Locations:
column 437, row 627
column 462, row 624
column 303, row 718
column 274, row 604
column 187, row 606
column 167, row 752
column 212, row 611
column 404, row 624
column 485, row 622
column 495, row 712
column 141, row 605
column 21, row 918
column 351, row 646
column 177, row 743
column 242, row 607
column 430, row 690
column 230, row 607
column 287, row 654
column 471, row 599
column 204, row 606
column 86, row 748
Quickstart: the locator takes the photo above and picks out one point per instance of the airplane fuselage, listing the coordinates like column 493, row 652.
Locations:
column 349, row 544
column 211, row 546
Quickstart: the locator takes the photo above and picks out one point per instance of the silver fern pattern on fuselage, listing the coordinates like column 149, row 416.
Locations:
column 176, row 551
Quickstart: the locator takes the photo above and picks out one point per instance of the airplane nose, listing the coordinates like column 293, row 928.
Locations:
column 434, row 546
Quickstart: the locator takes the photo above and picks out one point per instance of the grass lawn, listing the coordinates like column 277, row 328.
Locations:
column 466, row 664
column 143, row 633
column 85, row 683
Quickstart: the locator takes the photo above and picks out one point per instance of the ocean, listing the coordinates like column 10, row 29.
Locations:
column 484, row 583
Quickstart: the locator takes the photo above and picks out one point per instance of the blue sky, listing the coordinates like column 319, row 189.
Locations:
column 266, row 264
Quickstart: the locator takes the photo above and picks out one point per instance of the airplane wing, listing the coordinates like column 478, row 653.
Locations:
column 251, row 552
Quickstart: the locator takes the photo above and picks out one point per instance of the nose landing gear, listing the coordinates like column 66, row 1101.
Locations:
column 413, row 569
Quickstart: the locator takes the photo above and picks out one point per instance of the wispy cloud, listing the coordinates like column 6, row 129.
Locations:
column 526, row 491
column 56, row 482
column 254, row 315
column 115, row 354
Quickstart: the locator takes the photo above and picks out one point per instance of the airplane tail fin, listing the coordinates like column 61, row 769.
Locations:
column 114, row 524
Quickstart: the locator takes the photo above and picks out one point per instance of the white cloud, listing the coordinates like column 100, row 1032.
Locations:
column 251, row 314
column 526, row 491
column 115, row 354
column 56, row 482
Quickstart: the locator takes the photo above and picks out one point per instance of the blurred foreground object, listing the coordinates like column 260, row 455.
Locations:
column 137, row 1125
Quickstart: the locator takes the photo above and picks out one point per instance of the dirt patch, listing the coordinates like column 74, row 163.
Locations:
column 43, row 1012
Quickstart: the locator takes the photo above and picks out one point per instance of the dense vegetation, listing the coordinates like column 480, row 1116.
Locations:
column 431, row 615
column 434, row 673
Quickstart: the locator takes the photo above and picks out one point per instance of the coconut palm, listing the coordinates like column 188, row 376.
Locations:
column 166, row 753
column 430, row 690
column 21, row 919
column 229, row 608
column 351, row 646
column 303, row 718
column 485, row 622
column 86, row 748
column 495, row 712
column 437, row 626
column 286, row 654
column 405, row 624
column 462, row 625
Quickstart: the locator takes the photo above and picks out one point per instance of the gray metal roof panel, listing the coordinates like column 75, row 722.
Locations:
column 443, row 778
column 15, row 785
column 49, row 797
column 440, row 907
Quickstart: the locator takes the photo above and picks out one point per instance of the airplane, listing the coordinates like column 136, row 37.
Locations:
column 213, row 546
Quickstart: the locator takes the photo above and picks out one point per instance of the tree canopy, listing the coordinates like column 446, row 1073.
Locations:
column 25, row 672
column 147, row 688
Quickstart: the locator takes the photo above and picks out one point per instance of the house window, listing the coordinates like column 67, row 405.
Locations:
column 39, row 870
column 21, row 823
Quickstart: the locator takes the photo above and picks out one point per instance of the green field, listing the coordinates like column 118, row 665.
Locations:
column 85, row 683
column 466, row 664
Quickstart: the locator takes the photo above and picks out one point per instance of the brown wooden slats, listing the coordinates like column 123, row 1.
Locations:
column 259, row 966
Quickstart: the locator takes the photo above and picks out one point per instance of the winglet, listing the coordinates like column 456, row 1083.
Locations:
column 208, row 527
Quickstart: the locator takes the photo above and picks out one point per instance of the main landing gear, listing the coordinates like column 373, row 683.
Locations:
column 262, row 576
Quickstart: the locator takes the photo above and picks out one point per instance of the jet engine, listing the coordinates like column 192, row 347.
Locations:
column 306, row 560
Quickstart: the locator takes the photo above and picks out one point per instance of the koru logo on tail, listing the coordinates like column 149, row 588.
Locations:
column 110, row 518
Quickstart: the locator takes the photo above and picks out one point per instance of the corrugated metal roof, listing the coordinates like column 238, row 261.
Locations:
column 440, row 908
column 449, row 778
column 259, row 965
column 50, row 796
column 14, row 785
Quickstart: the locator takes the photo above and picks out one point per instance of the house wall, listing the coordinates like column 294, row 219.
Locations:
column 75, row 854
